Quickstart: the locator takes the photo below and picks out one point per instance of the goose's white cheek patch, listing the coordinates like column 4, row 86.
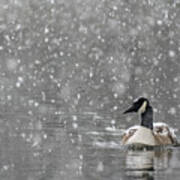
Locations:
column 142, row 109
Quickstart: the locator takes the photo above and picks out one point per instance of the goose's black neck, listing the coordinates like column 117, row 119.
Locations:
column 147, row 118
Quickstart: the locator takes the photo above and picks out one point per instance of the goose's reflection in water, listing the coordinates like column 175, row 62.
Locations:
column 144, row 164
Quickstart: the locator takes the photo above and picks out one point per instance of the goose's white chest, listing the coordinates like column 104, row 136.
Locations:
column 143, row 136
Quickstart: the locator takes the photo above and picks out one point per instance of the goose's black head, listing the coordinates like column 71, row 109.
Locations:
column 142, row 106
column 139, row 105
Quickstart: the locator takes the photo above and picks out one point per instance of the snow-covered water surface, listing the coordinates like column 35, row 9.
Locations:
column 68, row 69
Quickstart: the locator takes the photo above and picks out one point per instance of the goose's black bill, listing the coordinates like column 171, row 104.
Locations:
column 130, row 110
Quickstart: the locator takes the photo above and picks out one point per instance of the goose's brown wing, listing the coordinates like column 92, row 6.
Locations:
column 163, row 134
column 128, row 133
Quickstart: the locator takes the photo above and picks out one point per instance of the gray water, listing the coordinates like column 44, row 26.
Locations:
column 68, row 69
column 87, row 147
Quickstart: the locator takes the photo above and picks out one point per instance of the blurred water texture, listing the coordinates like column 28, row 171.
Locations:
column 68, row 68
column 78, row 147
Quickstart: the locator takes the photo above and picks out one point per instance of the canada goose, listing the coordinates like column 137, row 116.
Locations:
column 147, row 133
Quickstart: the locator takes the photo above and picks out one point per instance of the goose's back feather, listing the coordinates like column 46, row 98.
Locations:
column 163, row 135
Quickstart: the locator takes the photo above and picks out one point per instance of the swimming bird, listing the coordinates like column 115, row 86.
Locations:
column 147, row 133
